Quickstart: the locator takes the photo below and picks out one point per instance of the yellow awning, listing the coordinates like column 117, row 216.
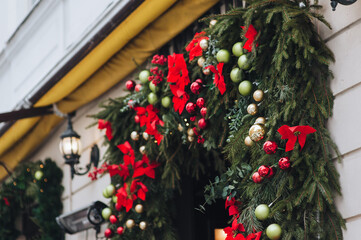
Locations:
column 149, row 27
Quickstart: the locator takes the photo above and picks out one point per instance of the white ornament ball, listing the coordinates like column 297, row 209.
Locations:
column 134, row 136
column 190, row 138
column 180, row 127
column 204, row 44
column 190, row 132
column 212, row 22
column 206, row 71
column 145, row 136
column 142, row 150
column 130, row 223
column 139, row 208
column 143, row 225
column 302, row 4
column 201, row 61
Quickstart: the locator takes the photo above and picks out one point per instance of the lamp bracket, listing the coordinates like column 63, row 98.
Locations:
column 94, row 160
column 343, row 2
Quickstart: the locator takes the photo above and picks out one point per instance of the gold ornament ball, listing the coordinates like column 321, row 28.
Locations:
column 201, row 61
column 190, row 132
column 252, row 109
column 258, row 95
column 142, row 150
column 212, row 23
column 248, row 141
column 130, row 223
column 134, row 136
column 204, row 44
column 180, row 127
column 257, row 132
column 260, row 120
column 139, row 208
column 143, row 225
column 206, row 71
column 145, row 136
column 190, row 138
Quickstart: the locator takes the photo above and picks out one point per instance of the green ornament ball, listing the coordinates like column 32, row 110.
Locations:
column 143, row 76
column 153, row 87
column 38, row 175
column 274, row 231
column 115, row 199
column 245, row 88
column 105, row 193
column 262, row 212
column 236, row 75
column 106, row 212
column 166, row 102
column 243, row 62
column 152, row 98
column 237, row 49
column 223, row 56
column 110, row 189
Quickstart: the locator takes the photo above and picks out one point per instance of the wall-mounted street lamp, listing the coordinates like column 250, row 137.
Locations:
column 343, row 2
column 70, row 147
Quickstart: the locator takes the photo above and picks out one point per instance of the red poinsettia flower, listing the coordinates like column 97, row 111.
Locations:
column 180, row 98
column 233, row 204
column 118, row 169
column 148, row 116
column 140, row 188
column 123, row 199
column 250, row 35
column 140, row 170
column 128, row 152
column 254, row 236
column 294, row 133
column 233, row 231
column 177, row 71
column 193, row 47
column 218, row 77
column 102, row 124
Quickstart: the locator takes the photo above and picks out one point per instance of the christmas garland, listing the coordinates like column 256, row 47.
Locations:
column 32, row 191
column 191, row 110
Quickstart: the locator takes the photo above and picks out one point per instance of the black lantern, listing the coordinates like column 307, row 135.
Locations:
column 70, row 147
column 343, row 2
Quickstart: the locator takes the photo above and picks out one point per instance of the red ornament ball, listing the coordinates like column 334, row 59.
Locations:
column 130, row 85
column 138, row 87
column 108, row 233
column 120, row 230
column 196, row 88
column 263, row 170
column 202, row 123
column 113, row 219
column 200, row 81
column 204, row 111
column 257, row 178
column 190, row 107
column 271, row 173
column 136, row 119
column 284, row 163
column 118, row 206
column 270, row 147
column 200, row 102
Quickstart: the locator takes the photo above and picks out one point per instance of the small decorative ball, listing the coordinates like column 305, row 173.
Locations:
column 139, row 208
column 191, row 107
column 257, row 178
column 203, row 111
column 200, row 81
column 262, row 212
column 223, row 56
column 143, row 76
column 143, row 225
column 202, row 123
column 38, row 175
column 270, row 147
column 190, row 132
column 166, row 101
column 106, row 212
column 200, row 102
column 260, row 120
column 153, row 87
column 108, row 233
column 152, row 98
column 237, row 49
column 105, row 193
column 248, row 141
column 180, row 127
column 145, row 136
column 258, row 95
column 110, row 189
column 113, row 219
column 118, row 207
column 136, row 119
column 263, row 170
column 236, row 75
column 142, row 150
column 196, row 88
column 245, row 88
column 271, row 173
column 130, row 223
column 274, row 231
column 284, row 163
column 252, row 109
column 206, row 71
column 134, row 136
column 120, row 230
column 131, row 103
column 190, row 138
column 130, row 85
column 115, row 199
column 243, row 62
column 138, row 87
column 212, row 23
column 256, row 132
column 302, row 5
column 204, row 44
column 201, row 61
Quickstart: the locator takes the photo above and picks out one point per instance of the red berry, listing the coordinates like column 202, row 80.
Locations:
column 108, row 233
column 284, row 163
column 118, row 206
column 113, row 219
column 200, row 102
column 270, row 147
column 120, row 230
column 271, row 173
column 196, row 88
column 257, row 178
column 200, row 81
column 136, row 119
column 138, row 87
column 203, row 111
column 263, row 170
column 130, row 85
column 202, row 123
column 190, row 107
